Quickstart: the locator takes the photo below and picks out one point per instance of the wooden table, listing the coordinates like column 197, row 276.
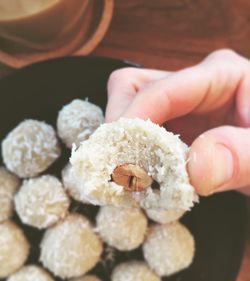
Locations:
column 172, row 34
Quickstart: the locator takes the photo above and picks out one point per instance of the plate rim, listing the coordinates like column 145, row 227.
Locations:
column 237, row 265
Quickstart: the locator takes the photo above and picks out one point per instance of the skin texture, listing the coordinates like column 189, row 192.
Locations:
column 207, row 104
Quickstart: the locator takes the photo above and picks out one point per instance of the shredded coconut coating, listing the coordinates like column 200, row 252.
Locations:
column 71, row 185
column 160, row 153
column 42, row 201
column 31, row 273
column 9, row 184
column 77, row 121
column 87, row 278
column 164, row 216
column 133, row 271
column 169, row 248
column 14, row 248
column 30, row 148
column 71, row 248
column 122, row 228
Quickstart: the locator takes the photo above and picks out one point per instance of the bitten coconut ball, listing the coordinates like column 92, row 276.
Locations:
column 71, row 248
column 118, row 163
column 9, row 184
column 87, row 278
column 71, row 185
column 169, row 248
column 77, row 121
column 164, row 216
column 134, row 271
column 122, row 228
column 30, row 148
column 42, row 201
column 31, row 273
column 14, row 248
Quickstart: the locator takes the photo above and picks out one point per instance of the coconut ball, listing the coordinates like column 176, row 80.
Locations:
column 134, row 271
column 164, row 216
column 169, row 248
column 71, row 185
column 71, row 248
column 122, row 228
column 14, row 248
column 120, row 160
column 31, row 273
column 42, row 201
column 87, row 278
column 30, row 148
column 9, row 184
column 77, row 121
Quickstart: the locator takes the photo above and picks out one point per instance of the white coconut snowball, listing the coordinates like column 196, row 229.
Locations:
column 30, row 148
column 9, row 184
column 71, row 248
column 14, row 248
column 161, row 154
column 87, row 278
column 42, row 201
column 164, row 216
column 122, row 228
column 31, row 273
column 133, row 271
column 169, row 248
column 77, row 121
column 71, row 185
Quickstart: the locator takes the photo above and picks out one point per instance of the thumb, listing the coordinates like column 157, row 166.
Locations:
column 220, row 160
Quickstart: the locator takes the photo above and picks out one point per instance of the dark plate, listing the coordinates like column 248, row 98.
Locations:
column 39, row 91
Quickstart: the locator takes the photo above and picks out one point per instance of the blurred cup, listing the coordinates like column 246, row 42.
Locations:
column 41, row 24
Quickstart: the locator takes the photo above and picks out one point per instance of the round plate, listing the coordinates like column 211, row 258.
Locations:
column 218, row 223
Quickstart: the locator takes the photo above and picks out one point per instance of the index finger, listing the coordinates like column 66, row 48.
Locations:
column 123, row 86
column 199, row 89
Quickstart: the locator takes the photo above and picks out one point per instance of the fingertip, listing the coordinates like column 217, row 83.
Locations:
column 211, row 165
column 115, row 107
column 108, row 116
column 199, row 167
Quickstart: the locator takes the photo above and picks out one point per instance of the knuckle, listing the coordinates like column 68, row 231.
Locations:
column 223, row 54
column 119, row 76
column 113, row 76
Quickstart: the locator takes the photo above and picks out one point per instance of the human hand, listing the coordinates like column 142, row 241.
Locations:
column 207, row 104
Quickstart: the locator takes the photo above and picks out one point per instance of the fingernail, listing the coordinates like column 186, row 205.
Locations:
column 243, row 117
column 222, row 169
column 211, row 168
column 248, row 116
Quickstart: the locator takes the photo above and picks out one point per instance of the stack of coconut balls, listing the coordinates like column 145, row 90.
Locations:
column 133, row 169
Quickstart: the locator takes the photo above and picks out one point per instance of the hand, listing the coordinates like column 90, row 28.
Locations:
column 207, row 104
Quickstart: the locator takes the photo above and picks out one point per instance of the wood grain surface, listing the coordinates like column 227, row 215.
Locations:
column 172, row 34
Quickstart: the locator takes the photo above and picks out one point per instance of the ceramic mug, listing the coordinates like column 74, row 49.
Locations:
column 41, row 24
